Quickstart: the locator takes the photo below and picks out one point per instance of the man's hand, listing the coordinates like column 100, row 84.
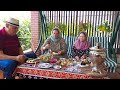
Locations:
column 21, row 58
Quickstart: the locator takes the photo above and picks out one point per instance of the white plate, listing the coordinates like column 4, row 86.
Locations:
column 57, row 67
column 84, row 65
column 62, row 58
column 45, row 65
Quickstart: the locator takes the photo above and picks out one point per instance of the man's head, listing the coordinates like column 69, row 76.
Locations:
column 12, row 26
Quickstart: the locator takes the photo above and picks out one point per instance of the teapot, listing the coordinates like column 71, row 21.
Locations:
column 97, row 50
column 97, row 55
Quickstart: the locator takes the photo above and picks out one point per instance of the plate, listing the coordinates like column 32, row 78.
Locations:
column 45, row 65
column 96, row 49
column 32, row 61
column 79, row 65
column 73, row 69
column 62, row 58
column 57, row 67
column 84, row 65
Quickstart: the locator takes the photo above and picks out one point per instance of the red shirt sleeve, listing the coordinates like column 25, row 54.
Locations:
column 1, row 43
column 19, row 45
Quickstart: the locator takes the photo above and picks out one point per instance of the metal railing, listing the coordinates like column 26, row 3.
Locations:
column 68, row 18
column 72, row 19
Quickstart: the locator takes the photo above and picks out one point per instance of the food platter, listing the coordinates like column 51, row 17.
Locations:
column 84, row 65
column 57, row 67
column 45, row 65
column 73, row 69
column 32, row 61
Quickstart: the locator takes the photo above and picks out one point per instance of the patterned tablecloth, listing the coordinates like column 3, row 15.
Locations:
column 30, row 72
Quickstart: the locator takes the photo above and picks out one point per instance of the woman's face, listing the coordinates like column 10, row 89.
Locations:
column 55, row 34
column 82, row 37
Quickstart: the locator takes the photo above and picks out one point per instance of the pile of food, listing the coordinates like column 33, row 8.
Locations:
column 85, row 61
column 45, row 58
column 53, row 60
column 54, row 53
column 32, row 61
column 65, row 62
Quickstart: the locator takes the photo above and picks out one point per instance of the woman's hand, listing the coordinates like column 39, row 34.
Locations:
column 59, row 52
column 84, row 56
column 77, row 58
column 46, row 47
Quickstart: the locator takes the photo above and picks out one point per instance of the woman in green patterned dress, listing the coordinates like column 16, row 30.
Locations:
column 55, row 44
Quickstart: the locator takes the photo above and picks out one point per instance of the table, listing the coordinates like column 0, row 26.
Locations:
column 31, row 72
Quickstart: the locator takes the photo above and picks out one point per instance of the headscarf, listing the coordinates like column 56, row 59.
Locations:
column 59, row 36
column 82, row 45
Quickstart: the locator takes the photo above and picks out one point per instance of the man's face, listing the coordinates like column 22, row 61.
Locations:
column 55, row 34
column 12, row 29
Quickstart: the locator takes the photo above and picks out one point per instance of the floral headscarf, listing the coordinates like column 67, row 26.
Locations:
column 52, row 37
column 82, row 45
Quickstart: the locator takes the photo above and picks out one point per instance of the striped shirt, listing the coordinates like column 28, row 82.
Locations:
column 9, row 44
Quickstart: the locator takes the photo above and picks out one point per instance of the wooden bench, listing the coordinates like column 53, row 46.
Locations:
column 109, row 63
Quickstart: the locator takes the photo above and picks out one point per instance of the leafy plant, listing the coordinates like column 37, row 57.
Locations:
column 105, row 27
column 63, row 28
column 85, row 26
column 50, row 27
column 24, row 34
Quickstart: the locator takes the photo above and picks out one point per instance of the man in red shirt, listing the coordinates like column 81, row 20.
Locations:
column 11, row 52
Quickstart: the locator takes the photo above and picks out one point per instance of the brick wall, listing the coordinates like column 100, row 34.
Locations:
column 35, row 29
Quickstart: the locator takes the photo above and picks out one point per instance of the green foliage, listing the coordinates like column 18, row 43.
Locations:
column 105, row 27
column 85, row 27
column 2, row 24
column 72, row 30
column 50, row 27
column 63, row 28
column 24, row 34
column 82, row 26
column 90, row 29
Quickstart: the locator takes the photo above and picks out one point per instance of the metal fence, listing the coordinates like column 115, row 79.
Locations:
column 72, row 19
